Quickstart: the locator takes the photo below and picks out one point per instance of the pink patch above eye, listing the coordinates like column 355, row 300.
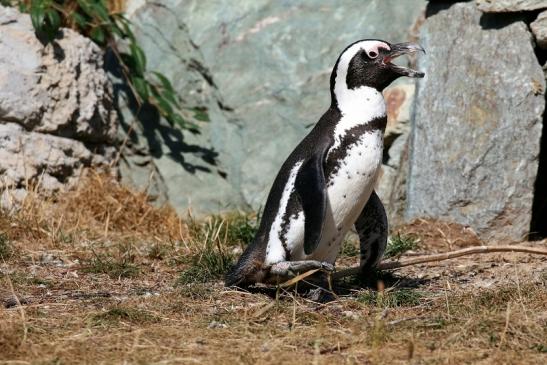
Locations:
column 373, row 48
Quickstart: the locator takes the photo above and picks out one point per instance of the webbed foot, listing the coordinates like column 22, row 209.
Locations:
column 289, row 269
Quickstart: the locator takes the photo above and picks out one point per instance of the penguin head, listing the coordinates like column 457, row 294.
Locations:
column 368, row 63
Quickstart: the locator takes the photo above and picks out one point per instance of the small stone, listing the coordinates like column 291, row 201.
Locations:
column 539, row 28
column 216, row 324
column 510, row 6
column 351, row 315
column 11, row 301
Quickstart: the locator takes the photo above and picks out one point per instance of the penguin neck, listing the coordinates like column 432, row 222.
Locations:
column 364, row 103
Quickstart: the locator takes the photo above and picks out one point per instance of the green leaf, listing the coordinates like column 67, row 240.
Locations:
column 100, row 10
column 86, row 7
column 164, row 81
column 54, row 20
column 162, row 104
column 168, row 91
column 114, row 29
column 97, row 35
column 183, row 123
column 37, row 16
column 141, row 86
column 139, row 57
column 79, row 19
column 171, row 97
column 125, row 26
column 201, row 114
column 23, row 8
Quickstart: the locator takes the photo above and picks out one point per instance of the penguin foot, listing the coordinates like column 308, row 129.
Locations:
column 288, row 269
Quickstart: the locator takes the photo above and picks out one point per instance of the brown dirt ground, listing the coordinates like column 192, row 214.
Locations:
column 484, row 309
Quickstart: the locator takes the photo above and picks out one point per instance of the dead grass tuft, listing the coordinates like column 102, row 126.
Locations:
column 97, row 207
column 100, row 203
column 438, row 234
column 116, row 315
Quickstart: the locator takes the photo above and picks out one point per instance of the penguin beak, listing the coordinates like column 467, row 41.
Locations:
column 400, row 49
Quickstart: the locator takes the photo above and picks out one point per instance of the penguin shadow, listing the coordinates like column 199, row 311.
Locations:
column 160, row 137
column 316, row 288
column 377, row 280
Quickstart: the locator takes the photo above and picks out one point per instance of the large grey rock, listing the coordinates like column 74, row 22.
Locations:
column 477, row 126
column 56, row 110
column 506, row 6
column 51, row 162
column 60, row 88
column 399, row 101
column 539, row 29
column 261, row 69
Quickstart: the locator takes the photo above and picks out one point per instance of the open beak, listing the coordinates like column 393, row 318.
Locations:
column 400, row 49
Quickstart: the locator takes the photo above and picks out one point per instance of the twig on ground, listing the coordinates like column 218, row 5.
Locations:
column 395, row 264
column 298, row 278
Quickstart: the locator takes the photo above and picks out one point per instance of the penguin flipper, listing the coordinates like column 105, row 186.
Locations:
column 311, row 188
column 372, row 228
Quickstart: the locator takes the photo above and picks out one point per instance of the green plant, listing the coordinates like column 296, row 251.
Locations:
column 111, row 30
column 399, row 244
column 391, row 298
column 210, row 264
column 121, row 266
column 213, row 258
column 350, row 248
column 241, row 228
column 5, row 247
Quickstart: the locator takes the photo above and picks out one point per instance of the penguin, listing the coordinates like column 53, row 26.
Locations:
column 326, row 185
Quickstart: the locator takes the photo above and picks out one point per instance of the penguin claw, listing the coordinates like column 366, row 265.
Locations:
column 327, row 266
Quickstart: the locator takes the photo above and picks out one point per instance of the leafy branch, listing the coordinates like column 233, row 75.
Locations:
column 109, row 28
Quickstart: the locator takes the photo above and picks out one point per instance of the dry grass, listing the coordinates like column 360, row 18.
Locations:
column 99, row 207
column 104, row 277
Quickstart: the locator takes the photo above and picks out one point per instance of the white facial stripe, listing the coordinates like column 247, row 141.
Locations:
column 342, row 71
column 358, row 106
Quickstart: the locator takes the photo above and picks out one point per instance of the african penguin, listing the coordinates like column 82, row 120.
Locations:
column 326, row 185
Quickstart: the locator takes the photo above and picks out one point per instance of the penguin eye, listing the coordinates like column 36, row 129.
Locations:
column 372, row 54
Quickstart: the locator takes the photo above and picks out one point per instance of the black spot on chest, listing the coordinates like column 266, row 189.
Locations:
column 336, row 157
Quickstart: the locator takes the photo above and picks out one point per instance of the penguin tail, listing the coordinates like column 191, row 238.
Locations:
column 247, row 270
column 234, row 277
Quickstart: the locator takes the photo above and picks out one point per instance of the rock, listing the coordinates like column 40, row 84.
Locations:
column 506, row 6
column 56, row 111
column 261, row 69
column 399, row 100
column 215, row 325
column 51, row 161
column 477, row 126
column 59, row 88
column 539, row 28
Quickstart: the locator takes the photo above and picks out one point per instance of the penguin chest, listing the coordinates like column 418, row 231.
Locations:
column 351, row 175
column 350, row 182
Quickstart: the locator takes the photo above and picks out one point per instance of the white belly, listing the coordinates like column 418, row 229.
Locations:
column 349, row 191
